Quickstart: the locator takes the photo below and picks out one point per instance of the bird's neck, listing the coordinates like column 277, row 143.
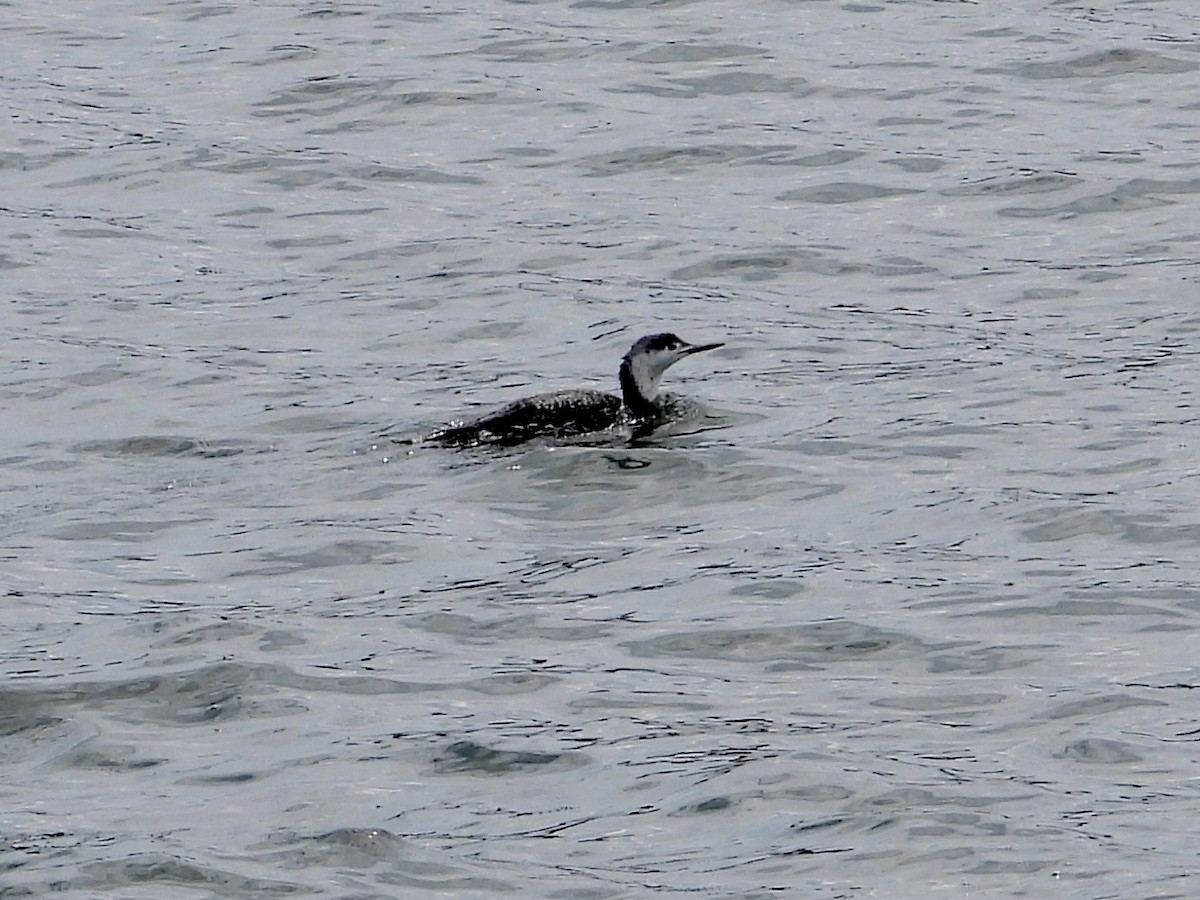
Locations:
column 637, row 401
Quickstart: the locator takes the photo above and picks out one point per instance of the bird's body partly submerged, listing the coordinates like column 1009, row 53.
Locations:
column 569, row 413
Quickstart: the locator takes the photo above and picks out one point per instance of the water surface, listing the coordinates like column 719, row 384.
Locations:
column 908, row 608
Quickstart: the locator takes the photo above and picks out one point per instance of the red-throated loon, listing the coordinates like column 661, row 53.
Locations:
column 566, row 413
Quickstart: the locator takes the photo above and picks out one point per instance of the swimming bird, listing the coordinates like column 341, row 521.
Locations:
column 566, row 413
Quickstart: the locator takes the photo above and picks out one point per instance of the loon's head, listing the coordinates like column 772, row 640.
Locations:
column 643, row 366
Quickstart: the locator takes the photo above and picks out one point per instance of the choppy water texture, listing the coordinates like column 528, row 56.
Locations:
column 908, row 608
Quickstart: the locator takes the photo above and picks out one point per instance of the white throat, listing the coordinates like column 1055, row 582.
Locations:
column 647, row 374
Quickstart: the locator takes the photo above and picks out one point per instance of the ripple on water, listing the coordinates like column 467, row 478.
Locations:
column 169, row 873
column 641, row 159
column 471, row 758
column 1100, row 751
column 774, row 262
column 810, row 645
column 401, row 863
column 162, row 445
column 845, row 192
column 1107, row 63
column 1024, row 183
column 1140, row 193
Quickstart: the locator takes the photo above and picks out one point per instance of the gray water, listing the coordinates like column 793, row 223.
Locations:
column 907, row 607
